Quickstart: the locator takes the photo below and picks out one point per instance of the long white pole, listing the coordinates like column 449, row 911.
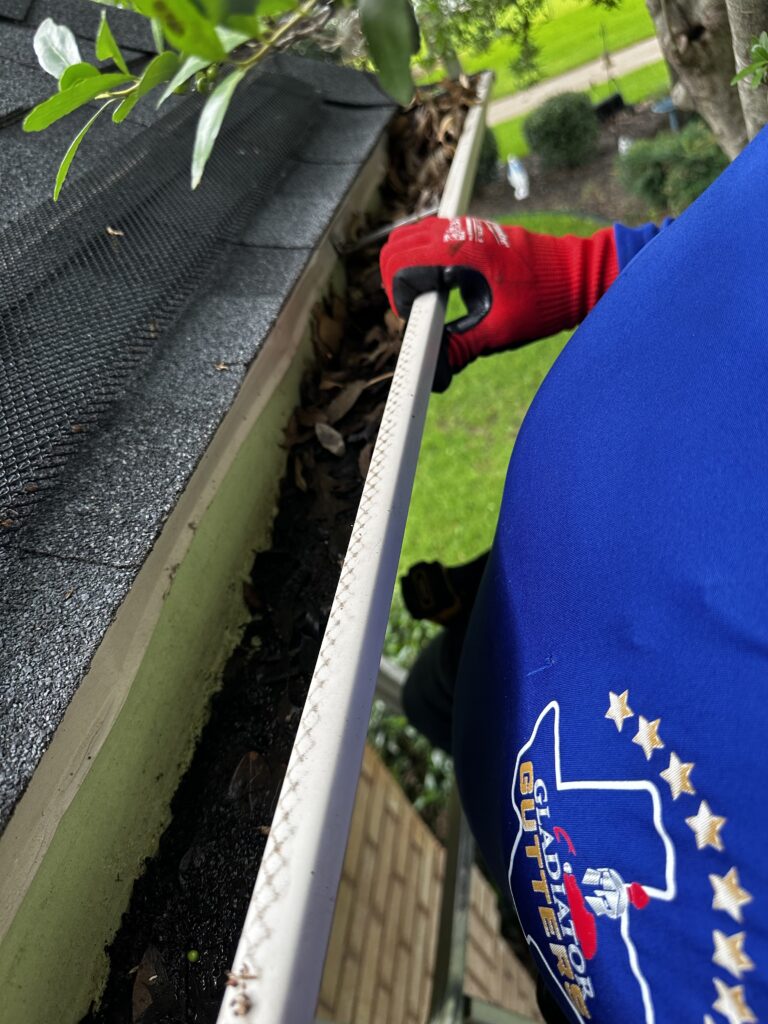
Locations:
column 279, row 961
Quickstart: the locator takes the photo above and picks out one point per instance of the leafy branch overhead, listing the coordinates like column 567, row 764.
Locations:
column 209, row 46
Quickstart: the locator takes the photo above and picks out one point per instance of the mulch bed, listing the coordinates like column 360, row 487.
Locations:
column 592, row 191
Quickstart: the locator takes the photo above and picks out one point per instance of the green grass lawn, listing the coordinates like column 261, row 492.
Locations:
column 643, row 84
column 469, row 435
column 570, row 34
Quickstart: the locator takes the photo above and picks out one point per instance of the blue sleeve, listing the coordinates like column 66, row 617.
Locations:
column 629, row 241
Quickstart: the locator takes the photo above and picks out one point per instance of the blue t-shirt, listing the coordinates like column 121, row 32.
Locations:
column 610, row 726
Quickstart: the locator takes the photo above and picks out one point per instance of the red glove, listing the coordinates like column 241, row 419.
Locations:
column 517, row 286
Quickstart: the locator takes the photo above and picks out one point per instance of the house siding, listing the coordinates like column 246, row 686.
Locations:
column 381, row 954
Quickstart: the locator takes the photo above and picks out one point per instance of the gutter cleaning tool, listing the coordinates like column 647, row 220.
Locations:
column 385, row 231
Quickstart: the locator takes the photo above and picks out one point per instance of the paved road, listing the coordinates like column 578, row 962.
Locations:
column 577, row 80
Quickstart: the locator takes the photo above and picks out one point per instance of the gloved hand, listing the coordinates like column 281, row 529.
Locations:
column 517, row 286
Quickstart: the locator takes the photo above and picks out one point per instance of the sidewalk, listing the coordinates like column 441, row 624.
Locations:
column 578, row 80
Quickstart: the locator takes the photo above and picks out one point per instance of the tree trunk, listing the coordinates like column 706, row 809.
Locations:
column 695, row 38
column 451, row 63
column 749, row 18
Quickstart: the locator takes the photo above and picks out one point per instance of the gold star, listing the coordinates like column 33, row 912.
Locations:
column 731, row 1003
column 729, row 895
column 706, row 827
column 708, row 1019
column 729, row 953
column 678, row 775
column 619, row 709
column 648, row 736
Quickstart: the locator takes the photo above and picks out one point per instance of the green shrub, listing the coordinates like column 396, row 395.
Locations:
column 644, row 169
column 424, row 772
column 672, row 169
column 488, row 161
column 703, row 162
column 563, row 131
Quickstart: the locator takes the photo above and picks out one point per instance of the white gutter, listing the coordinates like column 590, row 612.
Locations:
column 279, row 960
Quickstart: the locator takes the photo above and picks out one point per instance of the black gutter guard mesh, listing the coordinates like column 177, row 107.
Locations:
column 88, row 287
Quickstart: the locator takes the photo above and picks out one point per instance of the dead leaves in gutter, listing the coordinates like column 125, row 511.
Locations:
column 330, row 439
column 423, row 142
column 357, row 341
column 357, row 338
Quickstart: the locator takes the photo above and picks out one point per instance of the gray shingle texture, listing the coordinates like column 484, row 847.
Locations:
column 28, row 163
column 347, row 134
column 63, row 580
column 54, row 614
column 299, row 213
column 24, row 87
column 112, row 505
column 14, row 9
column 84, row 18
column 338, row 85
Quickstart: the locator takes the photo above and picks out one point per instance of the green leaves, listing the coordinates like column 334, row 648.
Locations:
column 79, row 82
column 229, row 39
column 271, row 8
column 210, row 122
column 757, row 70
column 160, row 69
column 106, row 45
column 56, row 48
column 753, row 71
column 246, row 15
column 63, row 103
column 392, row 36
column 124, row 107
column 157, row 34
column 76, row 73
column 74, row 145
column 193, row 39
column 184, row 26
column 190, row 67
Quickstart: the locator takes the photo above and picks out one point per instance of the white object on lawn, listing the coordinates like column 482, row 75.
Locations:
column 517, row 176
column 625, row 144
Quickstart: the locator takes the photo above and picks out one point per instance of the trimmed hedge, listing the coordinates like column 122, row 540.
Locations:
column 488, row 161
column 672, row 169
column 563, row 131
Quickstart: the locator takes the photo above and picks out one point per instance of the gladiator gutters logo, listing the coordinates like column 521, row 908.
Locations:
column 592, row 856
column 570, row 950
column 557, row 852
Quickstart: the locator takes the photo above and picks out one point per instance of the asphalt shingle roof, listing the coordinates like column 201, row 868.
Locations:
column 72, row 564
column 15, row 9
column 83, row 19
